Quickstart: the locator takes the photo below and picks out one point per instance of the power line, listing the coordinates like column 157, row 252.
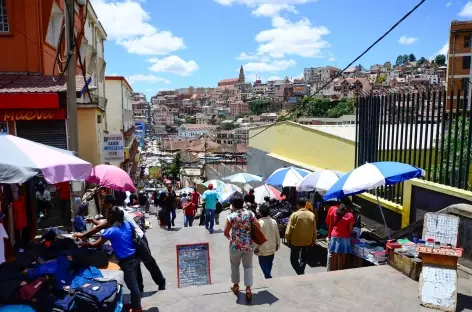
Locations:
column 350, row 64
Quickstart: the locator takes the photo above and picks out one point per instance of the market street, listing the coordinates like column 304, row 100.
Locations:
column 379, row 288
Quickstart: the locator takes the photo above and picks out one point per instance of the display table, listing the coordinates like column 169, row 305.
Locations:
column 409, row 266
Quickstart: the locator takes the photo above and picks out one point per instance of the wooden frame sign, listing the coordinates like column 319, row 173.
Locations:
column 193, row 265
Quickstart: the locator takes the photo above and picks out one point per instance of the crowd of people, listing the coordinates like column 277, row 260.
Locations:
column 131, row 246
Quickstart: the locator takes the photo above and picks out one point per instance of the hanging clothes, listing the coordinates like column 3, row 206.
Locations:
column 63, row 190
column 3, row 235
column 11, row 224
column 19, row 213
column 15, row 191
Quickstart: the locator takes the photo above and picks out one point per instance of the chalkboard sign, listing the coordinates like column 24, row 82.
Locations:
column 193, row 265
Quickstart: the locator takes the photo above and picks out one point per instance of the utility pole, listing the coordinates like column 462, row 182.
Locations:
column 72, row 127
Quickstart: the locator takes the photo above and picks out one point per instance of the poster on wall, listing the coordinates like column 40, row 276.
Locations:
column 3, row 127
column 113, row 146
column 155, row 173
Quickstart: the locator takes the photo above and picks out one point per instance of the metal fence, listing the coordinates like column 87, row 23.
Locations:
column 430, row 130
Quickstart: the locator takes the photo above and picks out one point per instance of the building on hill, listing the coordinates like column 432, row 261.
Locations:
column 233, row 81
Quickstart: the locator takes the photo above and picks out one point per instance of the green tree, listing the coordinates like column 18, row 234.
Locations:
column 175, row 166
column 343, row 107
column 455, row 143
column 405, row 58
column 421, row 60
column 440, row 60
column 399, row 60
column 311, row 107
column 260, row 106
column 190, row 119
column 380, row 78
column 411, row 57
column 228, row 126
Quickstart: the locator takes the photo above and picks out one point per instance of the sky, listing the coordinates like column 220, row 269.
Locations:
column 168, row 44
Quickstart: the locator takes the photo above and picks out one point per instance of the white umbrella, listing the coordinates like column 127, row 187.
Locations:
column 320, row 181
column 243, row 178
column 288, row 176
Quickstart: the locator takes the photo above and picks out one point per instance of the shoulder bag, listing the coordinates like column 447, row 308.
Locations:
column 256, row 233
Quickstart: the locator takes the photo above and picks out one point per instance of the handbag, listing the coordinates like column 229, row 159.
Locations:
column 139, row 244
column 256, row 233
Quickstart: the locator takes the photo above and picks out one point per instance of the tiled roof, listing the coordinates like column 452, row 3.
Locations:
column 198, row 126
column 36, row 84
column 235, row 80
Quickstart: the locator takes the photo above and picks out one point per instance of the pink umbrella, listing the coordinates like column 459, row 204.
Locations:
column 111, row 177
column 266, row 190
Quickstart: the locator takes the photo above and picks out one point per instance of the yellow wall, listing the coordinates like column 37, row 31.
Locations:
column 89, row 135
column 304, row 146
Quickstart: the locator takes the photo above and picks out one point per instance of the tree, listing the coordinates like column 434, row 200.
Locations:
column 440, row 60
column 228, row 126
column 260, row 106
column 399, row 60
column 405, row 58
column 190, row 119
column 311, row 107
column 421, row 60
column 175, row 166
column 455, row 144
column 411, row 57
column 343, row 107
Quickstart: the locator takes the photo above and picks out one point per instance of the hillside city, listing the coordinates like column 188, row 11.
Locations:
column 345, row 188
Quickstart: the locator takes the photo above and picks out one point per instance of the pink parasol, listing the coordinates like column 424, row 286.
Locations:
column 111, row 177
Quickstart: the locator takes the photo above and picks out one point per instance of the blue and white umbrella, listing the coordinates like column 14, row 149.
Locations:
column 243, row 178
column 370, row 176
column 321, row 181
column 289, row 176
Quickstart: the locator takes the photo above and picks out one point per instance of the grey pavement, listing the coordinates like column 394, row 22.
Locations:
column 368, row 289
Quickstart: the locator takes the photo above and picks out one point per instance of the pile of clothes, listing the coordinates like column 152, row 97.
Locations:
column 55, row 275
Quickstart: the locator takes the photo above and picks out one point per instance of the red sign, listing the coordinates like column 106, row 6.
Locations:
column 32, row 114
column 29, row 100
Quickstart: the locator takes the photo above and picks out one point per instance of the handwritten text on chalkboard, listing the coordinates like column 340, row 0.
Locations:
column 193, row 265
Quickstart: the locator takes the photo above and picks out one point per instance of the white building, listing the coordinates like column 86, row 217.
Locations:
column 119, row 109
column 195, row 130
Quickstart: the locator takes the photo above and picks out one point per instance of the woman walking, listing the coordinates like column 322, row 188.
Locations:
column 340, row 222
column 241, row 246
column 266, row 251
column 120, row 236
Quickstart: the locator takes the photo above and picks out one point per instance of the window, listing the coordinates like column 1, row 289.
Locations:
column 99, row 118
column 467, row 41
column 465, row 85
column 466, row 62
column 55, row 26
column 4, row 26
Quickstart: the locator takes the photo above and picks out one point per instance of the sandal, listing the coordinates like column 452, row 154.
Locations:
column 235, row 289
column 248, row 294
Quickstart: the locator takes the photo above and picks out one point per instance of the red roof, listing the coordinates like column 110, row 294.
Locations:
column 235, row 80
column 36, row 84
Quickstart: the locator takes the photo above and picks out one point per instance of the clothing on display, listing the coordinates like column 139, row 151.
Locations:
column 19, row 213
column 3, row 235
column 11, row 224
column 63, row 190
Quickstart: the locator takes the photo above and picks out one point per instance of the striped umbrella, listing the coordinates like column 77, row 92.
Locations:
column 288, row 176
column 216, row 183
column 228, row 188
column 320, row 181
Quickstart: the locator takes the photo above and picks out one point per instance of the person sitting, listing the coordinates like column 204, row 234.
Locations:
column 80, row 224
column 120, row 235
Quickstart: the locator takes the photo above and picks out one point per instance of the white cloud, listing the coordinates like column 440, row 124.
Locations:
column 466, row 10
column 298, row 38
column 262, row 2
column 173, row 64
column 146, row 78
column 407, row 40
column 149, row 90
column 273, row 66
column 332, row 59
column 253, row 77
column 243, row 56
column 273, row 9
column 444, row 50
column 271, row 78
column 128, row 24
column 448, row 4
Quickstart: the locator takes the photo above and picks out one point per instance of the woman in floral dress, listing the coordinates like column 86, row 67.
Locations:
column 241, row 245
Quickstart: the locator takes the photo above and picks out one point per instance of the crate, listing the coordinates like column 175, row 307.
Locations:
column 439, row 260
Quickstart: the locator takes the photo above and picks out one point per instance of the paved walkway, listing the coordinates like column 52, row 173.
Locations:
column 367, row 289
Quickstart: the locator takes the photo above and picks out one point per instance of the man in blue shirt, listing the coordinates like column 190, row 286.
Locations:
column 210, row 197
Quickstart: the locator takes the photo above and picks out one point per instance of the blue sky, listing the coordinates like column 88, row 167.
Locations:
column 167, row 44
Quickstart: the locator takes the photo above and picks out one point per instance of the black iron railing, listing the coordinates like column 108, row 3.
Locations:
column 430, row 130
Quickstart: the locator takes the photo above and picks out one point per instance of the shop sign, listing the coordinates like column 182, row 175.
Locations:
column 155, row 173
column 32, row 114
column 113, row 148
column 192, row 172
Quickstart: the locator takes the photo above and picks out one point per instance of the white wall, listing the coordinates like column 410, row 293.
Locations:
column 119, row 109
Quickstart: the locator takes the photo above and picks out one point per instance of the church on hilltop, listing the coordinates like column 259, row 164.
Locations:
column 233, row 81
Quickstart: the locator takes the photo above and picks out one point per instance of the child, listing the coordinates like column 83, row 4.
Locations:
column 189, row 212
column 79, row 220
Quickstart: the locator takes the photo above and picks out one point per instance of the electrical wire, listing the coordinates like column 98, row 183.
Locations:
column 349, row 65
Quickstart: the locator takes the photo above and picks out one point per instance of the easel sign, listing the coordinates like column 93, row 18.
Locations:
column 193, row 265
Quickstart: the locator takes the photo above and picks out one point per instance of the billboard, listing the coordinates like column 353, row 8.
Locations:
column 155, row 172
column 113, row 147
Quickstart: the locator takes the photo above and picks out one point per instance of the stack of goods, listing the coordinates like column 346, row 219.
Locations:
column 55, row 275
column 369, row 250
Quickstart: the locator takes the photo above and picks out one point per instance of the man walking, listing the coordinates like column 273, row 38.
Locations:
column 210, row 197
column 300, row 235
column 144, row 252
column 168, row 201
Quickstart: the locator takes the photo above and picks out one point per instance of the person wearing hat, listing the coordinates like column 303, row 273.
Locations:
column 210, row 197
column 145, row 253
column 80, row 224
